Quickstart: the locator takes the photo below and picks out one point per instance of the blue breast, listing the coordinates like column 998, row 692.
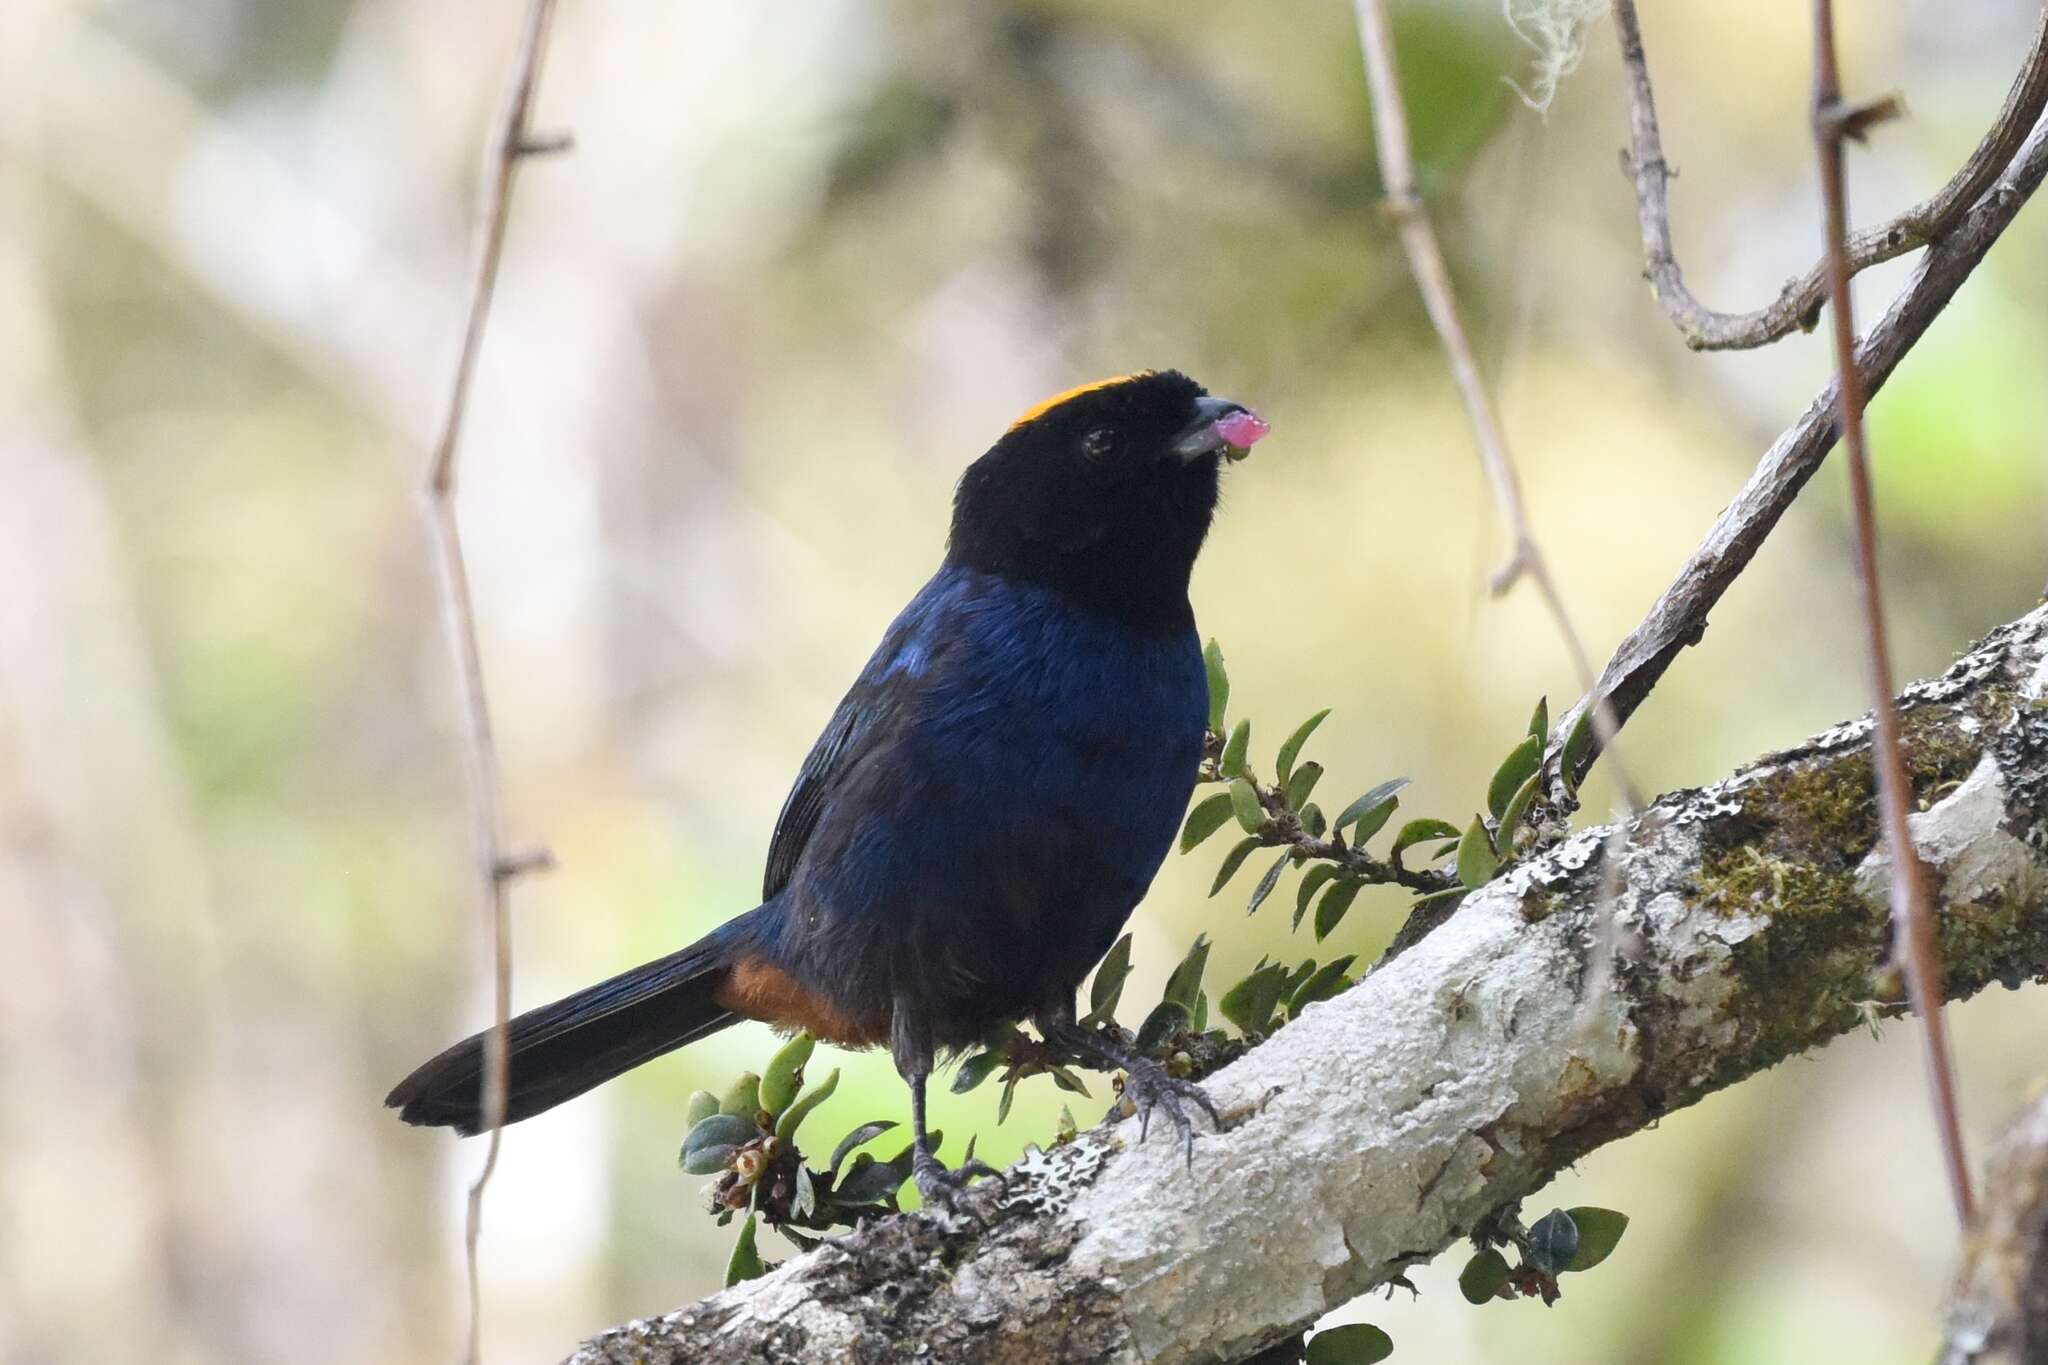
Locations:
column 1031, row 788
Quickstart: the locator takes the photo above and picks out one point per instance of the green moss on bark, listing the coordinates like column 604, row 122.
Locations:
column 1818, row 961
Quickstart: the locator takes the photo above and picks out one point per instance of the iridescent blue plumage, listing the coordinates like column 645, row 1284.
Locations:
column 986, row 806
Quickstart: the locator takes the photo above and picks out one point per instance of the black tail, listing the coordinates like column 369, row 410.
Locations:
column 561, row 1050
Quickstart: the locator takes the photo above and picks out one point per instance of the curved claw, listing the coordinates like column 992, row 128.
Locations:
column 1148, row 1085
column 944, row 1191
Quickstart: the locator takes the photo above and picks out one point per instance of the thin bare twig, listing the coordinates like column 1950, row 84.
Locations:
column 1798, row 304
column 1913, row 944
column 1433, row 281
column 511, row 140
column 1679, row 617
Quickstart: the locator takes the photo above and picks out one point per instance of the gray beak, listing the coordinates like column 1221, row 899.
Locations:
column 1201, row 437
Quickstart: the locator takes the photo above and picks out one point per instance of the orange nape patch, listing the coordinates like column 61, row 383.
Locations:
column 759, row 990
column 1049, row 404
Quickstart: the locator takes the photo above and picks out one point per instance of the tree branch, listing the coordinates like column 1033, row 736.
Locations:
column 1384, row 1125
column 1679, row 617
column 1798, row 304
column 1999, row 1312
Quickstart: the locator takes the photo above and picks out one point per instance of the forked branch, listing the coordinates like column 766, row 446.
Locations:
column 1798, row 304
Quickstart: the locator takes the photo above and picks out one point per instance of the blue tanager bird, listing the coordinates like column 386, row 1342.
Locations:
column 985, row 807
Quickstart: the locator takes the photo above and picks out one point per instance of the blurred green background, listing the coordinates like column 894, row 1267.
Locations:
column 806, row 260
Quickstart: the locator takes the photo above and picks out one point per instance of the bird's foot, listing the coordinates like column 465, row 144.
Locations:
column 945, row 1191
column 1149, row 1086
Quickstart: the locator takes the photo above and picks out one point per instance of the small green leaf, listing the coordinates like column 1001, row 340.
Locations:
column 1553, row 1242
column 1476, row 858
column 998, row 1036
column 1312, row 819
column 1232, row 861
column 1483, row 1276
column 860, row 1136
column 1250, row 1003
column 1268, row 882
column 1335, row 902
column 1065, row 1130
column 1205, row 819
column 1301, row 973
column 1219, row 684
column 1518, row 806
column 1444, row 894
column 1065, row 1079
column 720, row 1130
column 793, row 1117
column 1370, row 801
column 1415, row 831
column 744, row 1097
column 975, row 1070
column 1599, row 1231
column 1302, row 783
column 712, row 1141
column 1244, row 803
column 1372, row 820
column 1357, row 1343
column 707, row 1160
column 1232, row 763
column 1325, row 983
column 1166, row 1018
column 1200, row 1023
column 702, row 1105
column 869, row 1181
column 1310, row 881
column 1574, row 748
column 1283, row 766
column 1186, row 982
column 1512, row 773
column 785, row 1074
column 1009, row 1094
column 746, row 1261
column 1539, row 720
column 1108, row 987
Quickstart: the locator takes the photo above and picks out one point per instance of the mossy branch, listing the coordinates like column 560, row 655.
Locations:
column 1387, row 1124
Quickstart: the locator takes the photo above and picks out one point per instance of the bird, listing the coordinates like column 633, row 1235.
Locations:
column 986, row 806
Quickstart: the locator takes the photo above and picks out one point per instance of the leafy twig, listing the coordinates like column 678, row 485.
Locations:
column 1913, row 943
column 511, row 140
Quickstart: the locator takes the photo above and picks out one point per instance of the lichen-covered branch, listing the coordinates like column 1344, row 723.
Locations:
column 1999, row 1314
column 1382, row 1126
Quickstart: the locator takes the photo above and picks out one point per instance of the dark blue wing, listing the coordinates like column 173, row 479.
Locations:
column 870, row 712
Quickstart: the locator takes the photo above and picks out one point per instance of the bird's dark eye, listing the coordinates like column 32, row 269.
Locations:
column 1101, row 443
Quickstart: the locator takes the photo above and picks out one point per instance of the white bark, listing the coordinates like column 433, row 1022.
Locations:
column 1377, row 1130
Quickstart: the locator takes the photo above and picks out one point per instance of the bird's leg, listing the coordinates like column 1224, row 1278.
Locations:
column 1147, row 1083
column 940, row 1188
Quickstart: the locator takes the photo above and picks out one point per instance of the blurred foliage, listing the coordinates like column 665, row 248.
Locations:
column 803, row 263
